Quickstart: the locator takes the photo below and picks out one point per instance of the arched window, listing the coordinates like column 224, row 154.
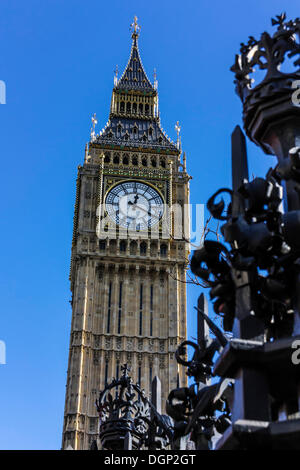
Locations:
column 125, row 160
column 144, row 161
column 143, row 248
column 133, row 247
column 123, row 246
column 107, row 158
column 122, row 107
column 128, row 107
column 134, row 161
column 141, row 108
column 102, row 245
column 147, row 109
column 163, row 250
column 134, row 108
column 153, row 162
column 112, row 246
column 163, row 163
column 116, row 159
column 153, row 249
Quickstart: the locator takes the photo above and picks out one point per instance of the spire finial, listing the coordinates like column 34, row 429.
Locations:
column 116, row 75
column 178, row 129
column 155, row 83
column 94, row 122
column 135, row 27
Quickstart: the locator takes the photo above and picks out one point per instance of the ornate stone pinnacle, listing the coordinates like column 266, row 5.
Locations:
column 94, row 123
column 116, row 75
column 178, row 129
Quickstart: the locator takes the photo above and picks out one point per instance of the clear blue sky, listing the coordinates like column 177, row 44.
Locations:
column 57, row 59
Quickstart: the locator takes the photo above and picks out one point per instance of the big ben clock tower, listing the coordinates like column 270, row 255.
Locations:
column 129, row 254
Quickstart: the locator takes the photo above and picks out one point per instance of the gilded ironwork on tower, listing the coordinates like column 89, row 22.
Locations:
column 129, row 253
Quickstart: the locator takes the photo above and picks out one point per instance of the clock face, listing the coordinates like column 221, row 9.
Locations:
column 134, row 205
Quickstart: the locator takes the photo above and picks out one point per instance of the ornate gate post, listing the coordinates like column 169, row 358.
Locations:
column 255, row 284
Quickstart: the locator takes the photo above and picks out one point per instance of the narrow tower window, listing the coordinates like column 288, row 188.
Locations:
column 141, row 310
column 102, row 245
column 163, row 250
column 151, row 310
column 108, row 308
column 120, row 308
column 123, row 245
column 143, row 248
column 133, row 247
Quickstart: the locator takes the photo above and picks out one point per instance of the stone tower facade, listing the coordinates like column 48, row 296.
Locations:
column 129, row 254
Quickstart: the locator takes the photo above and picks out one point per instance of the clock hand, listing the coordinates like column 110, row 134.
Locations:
column 130, row 203
column 147, row 212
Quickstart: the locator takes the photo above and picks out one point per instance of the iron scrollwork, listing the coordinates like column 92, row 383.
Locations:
column 203, row 409
column 128, row 419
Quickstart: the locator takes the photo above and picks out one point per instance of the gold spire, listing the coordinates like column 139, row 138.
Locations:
column 135, row 27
